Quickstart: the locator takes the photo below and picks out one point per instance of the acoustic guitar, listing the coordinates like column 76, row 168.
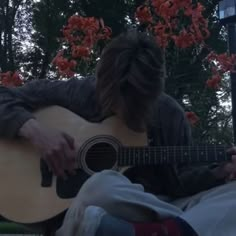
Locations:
column 29, row 193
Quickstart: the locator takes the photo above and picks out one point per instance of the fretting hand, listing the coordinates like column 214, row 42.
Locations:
column 228, row 170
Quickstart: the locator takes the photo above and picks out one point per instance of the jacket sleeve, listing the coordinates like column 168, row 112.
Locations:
column 175, row 130
column 195, row 179
column 17, row 104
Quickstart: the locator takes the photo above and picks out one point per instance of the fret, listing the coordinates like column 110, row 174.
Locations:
column 129, row 155
column 149, row 153
column 163, row 155
column 129, row 150
column 215, row 151
column 138, row 160
column 206, row 152
column 189, row 151
column 139, row 157
column 215, row 156
column 144, row 152
column 189, row 157
column 186, row 154
column 210, row 153
column 174, row 154
column 119, row 156
column 155, row 155
column 126, row 156
column 132, row 151
column 225, row 154
column 167, row 154
column 145, row 157
column 221, row 155
column 122, row 156
column 181, row 154
column 150, row 156
column 198, row 157
column 136, row 154
column 160, row 155
column 139, row 153
column 203, row 155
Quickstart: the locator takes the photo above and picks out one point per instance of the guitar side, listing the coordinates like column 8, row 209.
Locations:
column 22, row 199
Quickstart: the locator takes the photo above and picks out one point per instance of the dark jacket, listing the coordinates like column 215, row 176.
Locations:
column 168, row 127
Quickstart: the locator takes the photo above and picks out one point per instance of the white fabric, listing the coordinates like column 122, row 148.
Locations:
column 210, row 213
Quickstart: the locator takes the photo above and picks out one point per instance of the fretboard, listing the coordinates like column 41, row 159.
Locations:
column 133, row 156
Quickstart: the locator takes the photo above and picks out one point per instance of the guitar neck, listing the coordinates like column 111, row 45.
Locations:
column 133, row 156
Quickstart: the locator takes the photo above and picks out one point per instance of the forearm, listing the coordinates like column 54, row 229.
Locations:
column 17, row 104
column 12, row 114
column 198, row 179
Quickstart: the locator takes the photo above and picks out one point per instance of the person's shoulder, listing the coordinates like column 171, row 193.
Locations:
column 86, row 81
column 82, row 86
column 168, row 104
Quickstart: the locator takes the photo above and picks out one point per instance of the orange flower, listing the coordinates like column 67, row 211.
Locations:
column 192, row 117
column 64, row 65
column 10, row 79
column 67, row 32
column 162, row 38
column 80, row 51
column 184, row 39
column 90, row 24
column 75, row 20
column 184, row 4
column 214, row 82
column 170, row 13
column 81, row 34
column 73, row 64
column 143, row 14
column 89, row 41
column 157, row 5
column 168, row 10
column 222, row 62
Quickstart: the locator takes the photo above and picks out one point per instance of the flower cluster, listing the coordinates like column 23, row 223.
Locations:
column 178, row 21
column 182, row 22
column 192, row 117
column 219, row 64
column 65, row 66
column 10, row 79
column 80, row 35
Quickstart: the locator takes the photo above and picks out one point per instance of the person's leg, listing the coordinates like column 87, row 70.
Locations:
column 211, row 212
column 118, row 197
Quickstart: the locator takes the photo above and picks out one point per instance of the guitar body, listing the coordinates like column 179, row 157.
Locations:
column 22, row 198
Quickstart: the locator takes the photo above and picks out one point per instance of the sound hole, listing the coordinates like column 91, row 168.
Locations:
column 101, row 156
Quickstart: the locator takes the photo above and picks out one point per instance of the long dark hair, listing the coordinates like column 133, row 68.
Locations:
column 130, row 77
